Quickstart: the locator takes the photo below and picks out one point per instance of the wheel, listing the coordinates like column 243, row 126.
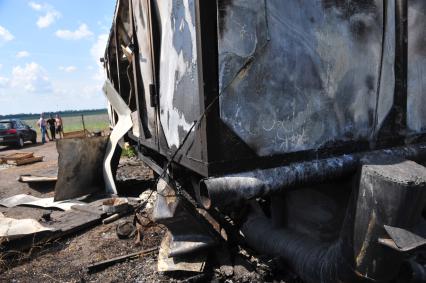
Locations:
column 34, row 140
column 20, row 143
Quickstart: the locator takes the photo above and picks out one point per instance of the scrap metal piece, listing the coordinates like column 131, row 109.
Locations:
column 27, row 200
column 15, row 228
column 188, row 236
column 17, row 200
column 402, row 240
column 62, row 224
column 168, row 264
column 123, row 125
column 80, row 163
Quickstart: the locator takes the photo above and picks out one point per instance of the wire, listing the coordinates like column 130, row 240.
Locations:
column 197, row 122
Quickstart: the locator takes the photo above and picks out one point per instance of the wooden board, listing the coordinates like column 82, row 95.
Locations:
column 37, row 179
column 17, row 156
column 20, row 162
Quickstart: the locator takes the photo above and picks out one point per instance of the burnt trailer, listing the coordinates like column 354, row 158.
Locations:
column 302, row 120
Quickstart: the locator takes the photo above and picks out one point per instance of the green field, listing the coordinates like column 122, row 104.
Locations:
column 72, row 123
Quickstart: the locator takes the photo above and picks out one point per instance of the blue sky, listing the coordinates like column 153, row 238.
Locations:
column 49, row 54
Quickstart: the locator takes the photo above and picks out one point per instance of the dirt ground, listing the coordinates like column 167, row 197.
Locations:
column 66, row 260
column 8, row 175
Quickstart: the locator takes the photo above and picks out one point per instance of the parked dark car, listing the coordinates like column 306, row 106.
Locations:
column 16, row 132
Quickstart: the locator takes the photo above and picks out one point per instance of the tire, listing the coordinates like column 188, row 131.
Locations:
column 20, row 143
column 34, row 140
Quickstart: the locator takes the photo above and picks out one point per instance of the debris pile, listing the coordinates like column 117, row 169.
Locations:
column 131, row 245
column 124, row 233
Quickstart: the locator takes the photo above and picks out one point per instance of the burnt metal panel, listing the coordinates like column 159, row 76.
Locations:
column 282, row 81
column 145, row 70
column 416, row 114
column 297, row 76
column 386, row 87
column 179, row 100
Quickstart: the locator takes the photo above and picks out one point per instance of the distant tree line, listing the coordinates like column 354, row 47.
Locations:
column 66, row 113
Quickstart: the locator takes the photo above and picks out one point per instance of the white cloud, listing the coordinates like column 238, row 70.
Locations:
column 98, row 51
column 35, row 6
column 80, row 33
column 50, row 14
column 31, row 78
column 68, row 69
column 22, row 54
column 49, row 18
column 5, row 35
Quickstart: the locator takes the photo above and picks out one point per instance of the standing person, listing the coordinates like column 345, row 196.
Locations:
column 52, row 126
column 59, row 126
column 42, row 124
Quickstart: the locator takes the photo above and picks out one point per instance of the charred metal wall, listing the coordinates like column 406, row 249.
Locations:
column 298, row 75
column 146, row 66
column 416, row 115
column 288, row 80
column 178, row 86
